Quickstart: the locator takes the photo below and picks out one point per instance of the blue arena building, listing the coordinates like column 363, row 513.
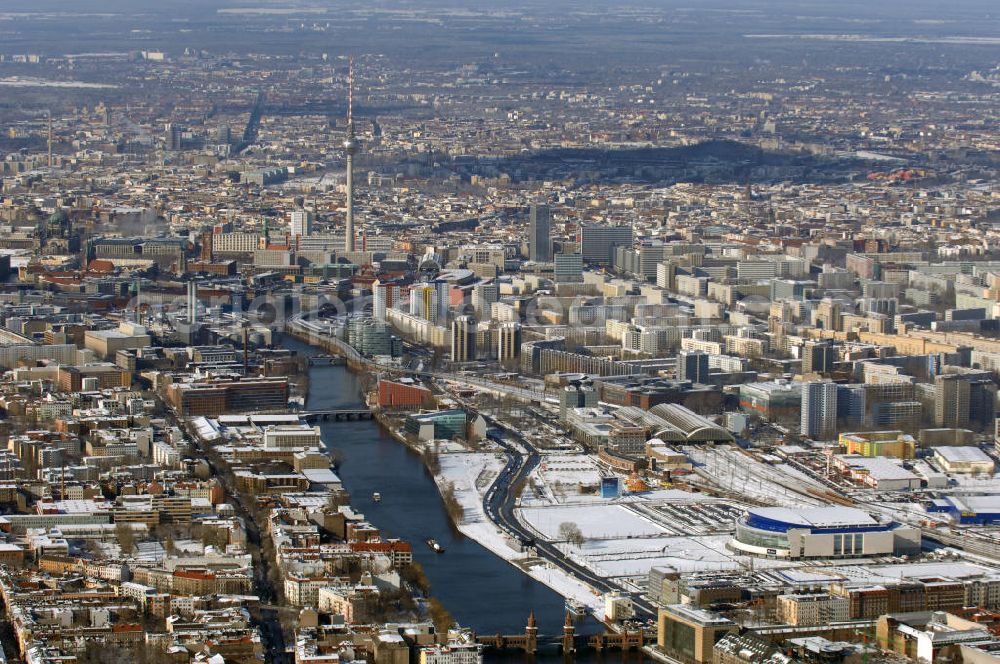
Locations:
column 825, row 532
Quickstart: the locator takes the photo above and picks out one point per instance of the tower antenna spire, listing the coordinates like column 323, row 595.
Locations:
column 350, row 90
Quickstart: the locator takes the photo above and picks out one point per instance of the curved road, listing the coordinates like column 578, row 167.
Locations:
column 500, row 503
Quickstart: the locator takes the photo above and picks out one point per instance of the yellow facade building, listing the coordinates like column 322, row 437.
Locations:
column 895, row 444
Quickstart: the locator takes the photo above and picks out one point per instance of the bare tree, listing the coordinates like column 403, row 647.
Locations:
column 454, row 508
column 443, row 621
column 432, row 460
column 126, row 536
column 415, row 575
column 571, row 532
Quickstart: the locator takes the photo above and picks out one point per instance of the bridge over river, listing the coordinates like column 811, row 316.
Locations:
column 336, row 415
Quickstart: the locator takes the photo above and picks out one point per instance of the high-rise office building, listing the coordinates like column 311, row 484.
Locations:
column 905, row 415
column 819, row 410
column 384, row 296
column 625, row 260
column 483, row 297
column 508, row 341
column 424, row 302
column 597, row 243
column 852, row 402
column 175, row 137
column 302, row 222
column 827, row 314
column 540, row 235
column 443, row 301
column 692, row 365
column 951, row 401
column 879, row 305
column 788, row 289
column 431, row 301
column 982, row 403
column 372, row 338
column 650, row 255
column 463, row 339
column 818, row 357
column 569, row 268
column 666, row 275
column 964, row 400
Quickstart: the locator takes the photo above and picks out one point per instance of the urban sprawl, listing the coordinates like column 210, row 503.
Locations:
column 711, row 352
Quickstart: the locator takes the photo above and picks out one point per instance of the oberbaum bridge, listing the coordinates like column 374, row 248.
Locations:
column 568, row 642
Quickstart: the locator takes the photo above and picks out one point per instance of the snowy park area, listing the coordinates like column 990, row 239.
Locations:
column 470, row 475
column 605, row 521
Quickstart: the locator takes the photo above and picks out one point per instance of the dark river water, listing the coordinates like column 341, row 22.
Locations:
column 479, row 589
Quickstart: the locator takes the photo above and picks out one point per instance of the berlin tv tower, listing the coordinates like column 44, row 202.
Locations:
column 351, row 147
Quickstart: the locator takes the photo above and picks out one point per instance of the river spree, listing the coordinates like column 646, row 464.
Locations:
column 480, row 590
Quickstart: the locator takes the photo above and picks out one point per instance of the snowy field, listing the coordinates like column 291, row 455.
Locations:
column 595, row 521
column 634, row 557
column 567, row 586
column 667, row 495
column 625, row 536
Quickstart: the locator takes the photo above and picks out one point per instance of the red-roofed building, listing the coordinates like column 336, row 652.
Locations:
column 101, row 265
column 400, row 552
